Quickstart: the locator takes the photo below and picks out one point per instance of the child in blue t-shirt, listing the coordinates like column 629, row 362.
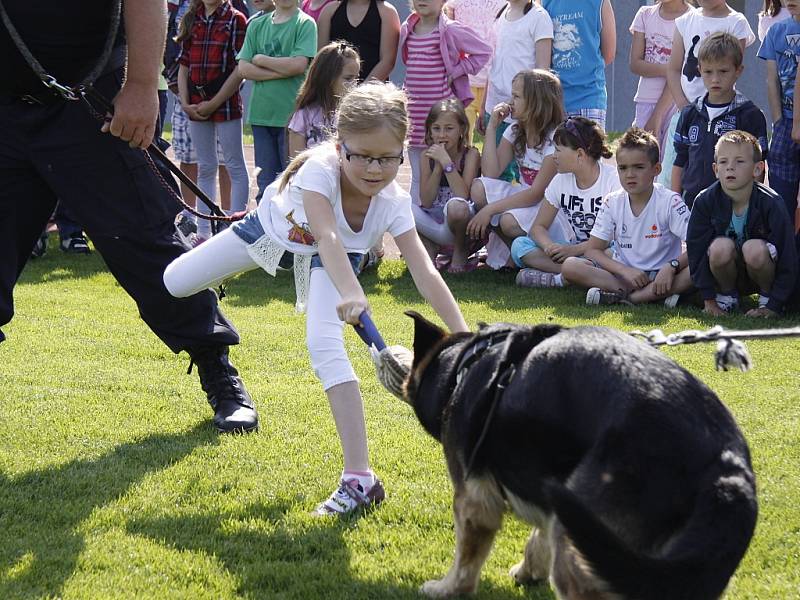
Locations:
column 584, row 42
column 781, row 51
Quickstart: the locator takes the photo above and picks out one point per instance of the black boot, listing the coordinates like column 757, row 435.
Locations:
column 234, row 410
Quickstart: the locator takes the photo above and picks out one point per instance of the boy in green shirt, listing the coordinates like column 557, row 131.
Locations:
column 276, row 52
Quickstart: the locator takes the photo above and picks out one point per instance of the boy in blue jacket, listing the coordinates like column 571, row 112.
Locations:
column 740, row 238
column 705, row 120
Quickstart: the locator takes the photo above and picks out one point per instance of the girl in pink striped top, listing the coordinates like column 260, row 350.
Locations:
column 439, row 54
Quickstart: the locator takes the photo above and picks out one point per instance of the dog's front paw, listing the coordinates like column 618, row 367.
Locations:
column 440, row 588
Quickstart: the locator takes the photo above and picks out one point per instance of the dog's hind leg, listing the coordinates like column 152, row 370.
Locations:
column 478, row 508
column 571, row 576
column 535, row 563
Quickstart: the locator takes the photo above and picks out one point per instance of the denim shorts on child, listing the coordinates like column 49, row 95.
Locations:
column 250, row 229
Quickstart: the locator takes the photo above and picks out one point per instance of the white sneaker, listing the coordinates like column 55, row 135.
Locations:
column 595, row 296
column 350, row 496
column 671, row 301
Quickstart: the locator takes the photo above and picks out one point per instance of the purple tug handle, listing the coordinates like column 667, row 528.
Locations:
column 369, row 333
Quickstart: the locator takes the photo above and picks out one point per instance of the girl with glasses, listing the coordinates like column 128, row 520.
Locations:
column 331, row 205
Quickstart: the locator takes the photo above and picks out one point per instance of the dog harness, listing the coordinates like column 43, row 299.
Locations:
column 497, row 386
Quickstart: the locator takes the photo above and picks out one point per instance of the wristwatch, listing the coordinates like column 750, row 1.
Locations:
column 675, row 264
column 449, row 168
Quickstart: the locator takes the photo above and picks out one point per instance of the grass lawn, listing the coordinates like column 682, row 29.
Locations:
column 113, row 485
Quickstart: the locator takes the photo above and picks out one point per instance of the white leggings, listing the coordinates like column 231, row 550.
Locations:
column 225, row 255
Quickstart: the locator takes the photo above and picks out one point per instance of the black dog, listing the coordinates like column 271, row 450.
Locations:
column 636, row 477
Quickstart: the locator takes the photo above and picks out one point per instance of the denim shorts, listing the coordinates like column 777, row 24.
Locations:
column 249, row 229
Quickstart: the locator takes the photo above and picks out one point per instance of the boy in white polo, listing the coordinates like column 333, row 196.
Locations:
column 645, row 224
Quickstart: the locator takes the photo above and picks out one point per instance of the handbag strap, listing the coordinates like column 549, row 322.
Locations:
column 66, row 92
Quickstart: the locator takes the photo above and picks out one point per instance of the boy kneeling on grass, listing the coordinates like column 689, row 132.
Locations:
column 740, row 237
column 646, row 223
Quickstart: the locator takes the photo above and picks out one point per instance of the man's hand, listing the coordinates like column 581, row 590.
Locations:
column 135, row 114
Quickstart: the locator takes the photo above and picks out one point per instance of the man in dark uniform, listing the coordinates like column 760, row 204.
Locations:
column 54, row 148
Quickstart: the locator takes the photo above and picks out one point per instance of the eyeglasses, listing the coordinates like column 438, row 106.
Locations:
column 362, row 160
column 569, row 125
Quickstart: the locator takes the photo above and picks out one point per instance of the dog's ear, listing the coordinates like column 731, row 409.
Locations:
column 426, row 335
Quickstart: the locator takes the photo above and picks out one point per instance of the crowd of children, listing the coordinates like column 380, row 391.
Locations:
column 683, row 209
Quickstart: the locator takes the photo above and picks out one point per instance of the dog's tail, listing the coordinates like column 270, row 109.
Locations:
column 694, row 564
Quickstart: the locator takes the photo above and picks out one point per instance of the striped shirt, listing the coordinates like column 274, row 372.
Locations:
column 426, row 81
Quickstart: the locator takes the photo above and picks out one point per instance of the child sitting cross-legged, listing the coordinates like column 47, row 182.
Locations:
column 740, row 237
column 646, row 223
column 565, row 219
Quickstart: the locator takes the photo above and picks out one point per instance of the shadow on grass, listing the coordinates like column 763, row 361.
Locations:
column 56, row 265
column 298, row 560
column 41, row 511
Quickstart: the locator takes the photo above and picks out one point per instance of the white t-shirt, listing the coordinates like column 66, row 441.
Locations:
column 515, row 50
column 652, row 239
column 581, row 206
column 531, row 162
column 694, row 28
column 658, row 33
column 283, row 217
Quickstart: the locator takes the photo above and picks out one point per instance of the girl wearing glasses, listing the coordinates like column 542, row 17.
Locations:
column 330, row 206
column 577, row 192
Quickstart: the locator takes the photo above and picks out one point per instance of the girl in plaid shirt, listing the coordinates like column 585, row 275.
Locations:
column 211, row 34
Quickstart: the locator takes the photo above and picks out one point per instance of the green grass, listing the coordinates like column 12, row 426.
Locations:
column 112, row 484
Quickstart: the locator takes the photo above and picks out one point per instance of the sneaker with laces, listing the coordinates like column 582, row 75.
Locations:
column 234, row 411
column 534, row 278
column 595, row 296
column 75, row 244
column 671, row 301
column 350, row 496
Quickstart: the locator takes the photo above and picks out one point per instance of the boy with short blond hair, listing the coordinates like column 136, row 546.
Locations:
column 646, row 223
column 740, row 238
column 720, row 110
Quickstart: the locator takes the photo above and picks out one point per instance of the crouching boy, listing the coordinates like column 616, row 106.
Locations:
column 646, row 223
column 740, row 237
